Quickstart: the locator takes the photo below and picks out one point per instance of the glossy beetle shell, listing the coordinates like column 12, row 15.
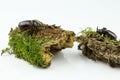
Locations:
column 107, row 33
column 28, row 24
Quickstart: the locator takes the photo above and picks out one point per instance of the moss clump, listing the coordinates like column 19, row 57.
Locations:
column 28, row 47
column 38, row 45
column 99, row 47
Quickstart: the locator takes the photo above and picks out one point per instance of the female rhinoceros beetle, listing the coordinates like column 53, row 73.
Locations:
column 29, row 24
column 107, row 33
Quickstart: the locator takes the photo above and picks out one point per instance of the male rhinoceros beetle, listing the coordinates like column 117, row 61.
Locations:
column 29, row 24
column 107, row 33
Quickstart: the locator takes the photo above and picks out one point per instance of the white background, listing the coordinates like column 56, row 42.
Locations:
column 74, row 15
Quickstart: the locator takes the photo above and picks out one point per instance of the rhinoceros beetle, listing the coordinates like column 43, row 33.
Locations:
column 29, row 24
column 107, row 33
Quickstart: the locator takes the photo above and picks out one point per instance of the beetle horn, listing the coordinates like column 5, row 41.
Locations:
column 97, row 28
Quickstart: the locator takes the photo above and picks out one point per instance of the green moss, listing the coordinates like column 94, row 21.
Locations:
column 27, row 47
column 89, row 32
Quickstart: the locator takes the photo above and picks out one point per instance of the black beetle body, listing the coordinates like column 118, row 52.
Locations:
column 29, row 24
column 107, row 33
